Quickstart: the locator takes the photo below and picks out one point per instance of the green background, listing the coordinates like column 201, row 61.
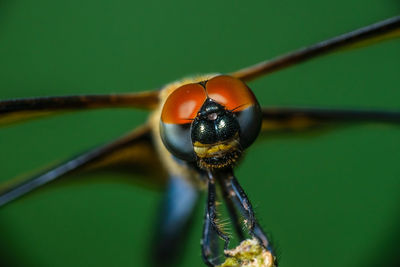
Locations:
column 328, row 200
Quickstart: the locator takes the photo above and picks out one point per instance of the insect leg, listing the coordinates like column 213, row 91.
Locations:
column 232, row 212
column 211, row 228
column 177, row 209
column 240, row 199
column 209, row 241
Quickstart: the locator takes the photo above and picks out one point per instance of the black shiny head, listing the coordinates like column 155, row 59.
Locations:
column 214, row 124
column 215, row 136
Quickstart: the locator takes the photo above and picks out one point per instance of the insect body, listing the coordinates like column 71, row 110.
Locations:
column 206, row 123
column 209, row 123
column 198, row 129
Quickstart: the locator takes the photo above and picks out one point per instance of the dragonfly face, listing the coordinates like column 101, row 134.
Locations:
column 211, row 121
column 215, row 136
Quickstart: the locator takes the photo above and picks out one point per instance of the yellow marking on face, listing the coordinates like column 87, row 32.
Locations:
column 209, row 150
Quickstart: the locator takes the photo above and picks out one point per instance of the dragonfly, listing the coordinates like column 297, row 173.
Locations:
column 176, row 142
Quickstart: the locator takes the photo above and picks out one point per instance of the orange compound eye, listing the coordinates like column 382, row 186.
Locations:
column 230, row 92
column 183, row 104
column 235, row 96
column 178, row 112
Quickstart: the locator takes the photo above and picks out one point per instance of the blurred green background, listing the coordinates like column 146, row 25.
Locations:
column 328, row 200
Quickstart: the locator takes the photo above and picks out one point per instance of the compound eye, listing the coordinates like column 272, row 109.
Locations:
column 230, row 92
column 178, row 112
column 183, row 104
column 238, row 98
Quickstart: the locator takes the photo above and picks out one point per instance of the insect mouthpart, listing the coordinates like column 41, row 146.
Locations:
column 219, row 155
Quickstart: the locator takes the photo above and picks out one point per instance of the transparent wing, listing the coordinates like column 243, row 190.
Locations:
column 17, row 110
column 133, row 153
column 298, row 120
column 380, row 31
